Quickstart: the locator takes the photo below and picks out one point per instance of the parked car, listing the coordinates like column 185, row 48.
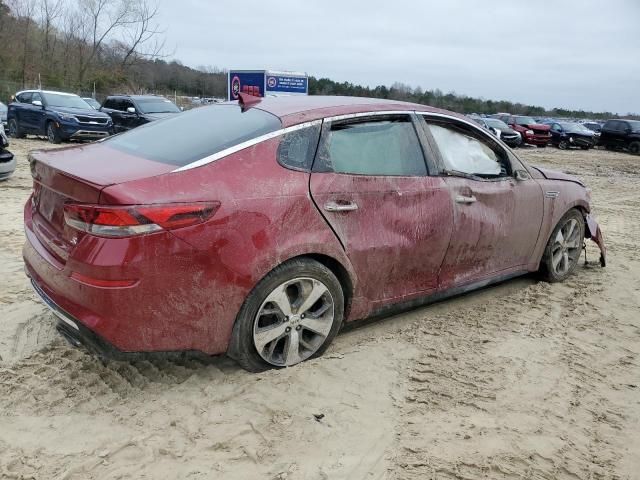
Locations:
column 501, row 130
column 130, row 111
column 257, row 228
column 59, row 116
column 565, row 135
column 93, row 103
column 593, row 126
column 532, row 132
column 7, row 161
column 619, row 134
column 3, row 115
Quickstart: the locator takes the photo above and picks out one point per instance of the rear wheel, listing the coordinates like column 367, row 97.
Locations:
column 563, row 248
column 14, row 129
column 634, row 147
column 52, row 133
column 292, row 315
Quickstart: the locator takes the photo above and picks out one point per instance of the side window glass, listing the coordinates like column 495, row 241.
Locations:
column 127, row 104
column 297, row 148
column 108, row 103
column 462, row 151
column 25, row 97
column 386, row 145
column 36, row 96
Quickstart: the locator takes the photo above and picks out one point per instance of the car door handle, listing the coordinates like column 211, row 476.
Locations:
column 340, row 207
column 465, row 199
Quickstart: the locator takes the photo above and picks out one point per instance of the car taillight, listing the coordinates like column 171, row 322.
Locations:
column 130, row 220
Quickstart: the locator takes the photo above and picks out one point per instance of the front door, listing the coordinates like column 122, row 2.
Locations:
column 497, row 218
column 370, row 183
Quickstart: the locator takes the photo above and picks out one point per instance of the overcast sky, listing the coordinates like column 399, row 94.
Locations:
column 553, row 53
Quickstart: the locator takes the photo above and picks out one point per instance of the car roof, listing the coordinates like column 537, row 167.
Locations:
column 136, row 96
column 46, row 91
column 293, row 110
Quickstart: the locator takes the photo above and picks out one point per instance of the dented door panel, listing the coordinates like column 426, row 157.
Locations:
column 397, row 237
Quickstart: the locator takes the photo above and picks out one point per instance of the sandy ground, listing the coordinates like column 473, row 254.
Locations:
column 524, row 380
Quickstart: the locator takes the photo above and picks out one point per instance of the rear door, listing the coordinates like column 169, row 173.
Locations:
column 496, row 218
column 370, row 182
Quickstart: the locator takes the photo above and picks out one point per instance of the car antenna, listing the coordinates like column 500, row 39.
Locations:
column 246, row 101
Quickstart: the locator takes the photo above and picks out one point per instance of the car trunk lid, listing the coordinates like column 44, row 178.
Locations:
column 77, row 174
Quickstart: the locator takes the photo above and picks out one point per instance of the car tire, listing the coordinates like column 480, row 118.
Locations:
column 14, row 129
column 53, row 135
column 271, row 331
column 634, row 147
column 561, row 255
column 563, row 145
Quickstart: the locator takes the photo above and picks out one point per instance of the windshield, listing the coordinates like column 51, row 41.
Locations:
column 525, row 121
column 156, row 105
column 94, row 103
column 196, row 134
column 66, row 101
column 495, row 123
column 574, row 127
column 635, row 126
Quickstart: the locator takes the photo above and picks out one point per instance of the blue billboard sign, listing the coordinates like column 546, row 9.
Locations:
column 279, row 83
column 264, row 82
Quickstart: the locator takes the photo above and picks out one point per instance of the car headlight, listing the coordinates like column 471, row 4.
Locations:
column 65, row 116
column 529, row 132
column 570, row 139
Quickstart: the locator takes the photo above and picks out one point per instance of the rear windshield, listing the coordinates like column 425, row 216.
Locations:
column 196, row 134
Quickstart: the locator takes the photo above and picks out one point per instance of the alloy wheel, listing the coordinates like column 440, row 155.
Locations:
column 293, row 321
column 566, row 248
column 51, row 134
column 563, row 145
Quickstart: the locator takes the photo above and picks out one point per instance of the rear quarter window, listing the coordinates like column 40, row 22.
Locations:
column 196, row 134
column 297, row 148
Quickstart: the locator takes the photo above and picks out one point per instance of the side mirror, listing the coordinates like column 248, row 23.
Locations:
column 36, row 103
column 131, row 110
column 521, row 175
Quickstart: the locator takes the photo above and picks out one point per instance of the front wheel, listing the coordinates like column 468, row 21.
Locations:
column 292, row 315
column 14, row 129
column 563, row 145
column 634, row 147
column 563, row 249
column 52, row 133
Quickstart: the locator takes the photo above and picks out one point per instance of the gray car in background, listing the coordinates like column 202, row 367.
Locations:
column 7, row 160
column 3, row 115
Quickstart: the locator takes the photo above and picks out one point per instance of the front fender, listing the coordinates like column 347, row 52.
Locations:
column 594, row 232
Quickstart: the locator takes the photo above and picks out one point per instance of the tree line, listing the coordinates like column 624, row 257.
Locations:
column 118, row 46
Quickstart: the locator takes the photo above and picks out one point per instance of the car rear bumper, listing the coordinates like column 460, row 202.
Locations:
column 173, row 307
column 7, row 164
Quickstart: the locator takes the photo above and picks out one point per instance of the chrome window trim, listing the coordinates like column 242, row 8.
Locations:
column 283, row 131
column 348, row 116
column 478, row 128
column 246, row 144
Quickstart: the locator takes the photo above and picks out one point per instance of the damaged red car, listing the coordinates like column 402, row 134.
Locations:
column 257, row 228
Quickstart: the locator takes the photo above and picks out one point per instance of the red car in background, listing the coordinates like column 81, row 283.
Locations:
column 257, row 228
column 532, row 132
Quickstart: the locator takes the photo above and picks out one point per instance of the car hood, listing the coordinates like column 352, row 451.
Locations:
column 557, row 175
column 80, row 111
column 158, row 116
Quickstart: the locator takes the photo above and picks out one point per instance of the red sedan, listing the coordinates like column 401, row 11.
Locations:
column 257, row 228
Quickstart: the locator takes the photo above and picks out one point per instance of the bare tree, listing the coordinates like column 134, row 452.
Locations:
column 24, row 10
column 140, row 39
